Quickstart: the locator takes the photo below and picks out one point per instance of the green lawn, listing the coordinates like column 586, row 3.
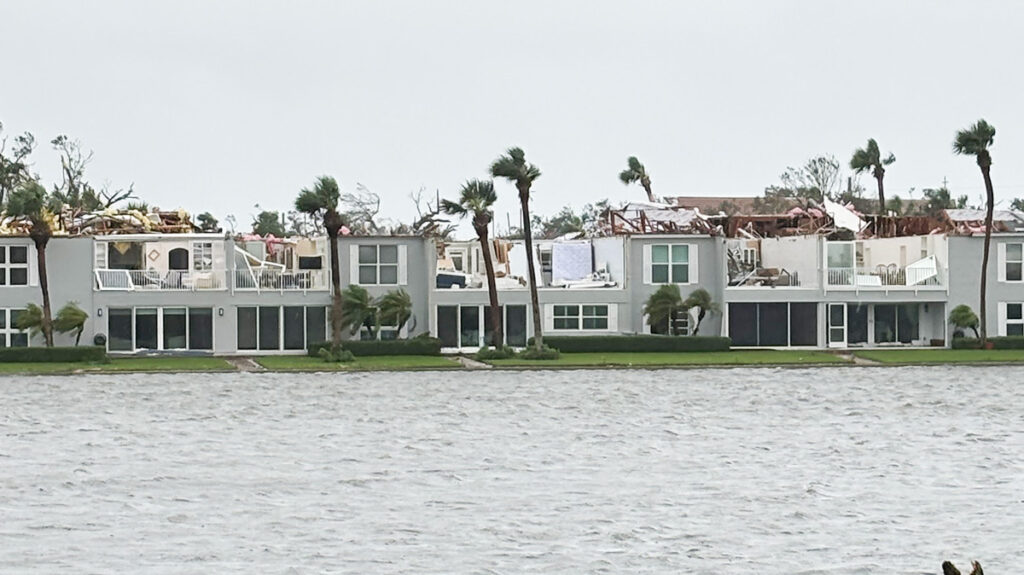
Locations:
column 123, row 364
column 377, row 362
column 942, row 355
column 663, row 359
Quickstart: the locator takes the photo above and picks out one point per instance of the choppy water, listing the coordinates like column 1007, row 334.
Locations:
column 841, row 470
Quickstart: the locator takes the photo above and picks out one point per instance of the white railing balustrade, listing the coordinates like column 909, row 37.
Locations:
column 274, row 279
column 174, row 280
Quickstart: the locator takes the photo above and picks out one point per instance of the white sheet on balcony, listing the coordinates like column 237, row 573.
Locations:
column 571, row 261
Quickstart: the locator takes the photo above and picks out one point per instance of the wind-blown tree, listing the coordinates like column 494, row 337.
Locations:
column 939, row 199
column 30, row 202
column 963, row 316
column 636, row 172
column 30, row 319
column 395, row 308
column 359, row 310
column 71, row 319
column 513, row 167
column 665, row 305
column 700, row 299
column 207, row 223
column 321, row 201
column 869, row 158
column 476, row 200
column 975, row 141
column 268, row 223
column 14, row 165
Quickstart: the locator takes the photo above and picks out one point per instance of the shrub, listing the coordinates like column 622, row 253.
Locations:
column 414, row 346
column 635, row 343
column 544, row 353
column 487, row 353
column 1001, row 342
column 53, row 354
column 335, row 354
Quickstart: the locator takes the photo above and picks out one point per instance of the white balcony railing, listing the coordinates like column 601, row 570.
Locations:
column 919, row 274
column 274, row 279
column 175, row 280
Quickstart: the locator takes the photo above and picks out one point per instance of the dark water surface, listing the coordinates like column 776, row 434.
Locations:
column 837, row 470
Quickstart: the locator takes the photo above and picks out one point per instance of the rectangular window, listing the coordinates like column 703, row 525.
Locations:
column 316, row 324
column 145, row 328
column 577, row 317
column 1014, row 319
column 779, row 324
column 119, row 329
column 670, row 263
column 1014, row 262
column 202, row 256
column 175, row 332
column 13, row 265
column 200, row 328
column 10, row 335
column 469, row 319
column 448, row 325
column 294, row 327
column 567, row 317
column 378, row 265
column 515, row 325
column 270, row 328
column 246, row 328
column 595, row 317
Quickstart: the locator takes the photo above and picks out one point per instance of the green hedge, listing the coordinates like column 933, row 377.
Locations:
column 52, row 354
column 414, row 346
column 634, row 343
column 1002, row 342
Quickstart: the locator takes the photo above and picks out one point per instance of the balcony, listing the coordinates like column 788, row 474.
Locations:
column 277, row 279
column 924, row 273
column 151, row 280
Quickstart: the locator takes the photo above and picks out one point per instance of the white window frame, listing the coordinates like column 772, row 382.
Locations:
column 1005, row 321
column 401, row 264
column 160, row 344
column 280, row 327
column 7, row 266
column 1004, row 261
column 9, row 330
column 691, row 263
column 682, row 318
column 610, row 315
column 202, row 256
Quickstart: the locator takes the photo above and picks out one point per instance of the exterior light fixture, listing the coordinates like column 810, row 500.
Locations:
column 99, row 312
column 220, row 311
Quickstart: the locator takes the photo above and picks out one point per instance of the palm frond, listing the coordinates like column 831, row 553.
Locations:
column 395, row 307
column 70, row 318
column 975, row 139
column 323, row 196
column 356, row 308
column 663, row 303
column 31, row 318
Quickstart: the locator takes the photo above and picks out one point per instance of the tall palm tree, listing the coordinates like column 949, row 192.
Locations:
column 30, row 202
column 321, row 201
column 513, row 167
column 700, row 298
column 870, row 158
column 476, row 200
column 665, row 305
column 395, row 308
column 635, row 172
column 975, row 141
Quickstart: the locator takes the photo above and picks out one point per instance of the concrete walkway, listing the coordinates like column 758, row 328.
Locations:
column 244, row 364
column 857, row 360
column 472, row 363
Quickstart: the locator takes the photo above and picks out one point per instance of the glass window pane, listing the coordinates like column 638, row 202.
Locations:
column 595, row 323
column 316, row 324
column 885, row 323
column 1013, row 273
column 3, row 340
column 246, row 328
column 1013, row 252
column 680, row 273
column 773, row 324
column 19, row 254
column 3, row 276
column 515, row 328
column 389, row 254
column 367, row 275
column 743, row 324
column 145, row 328
column 119, row 329
column 448, row 325
column 836, row 315
column 3, row 319
column 659, row 254
column 1011, row 329
column 200, row 328
column 567, row 323
column 680, row 254
column 19, row 276
column 1013, row 311
column 15, row 314
column 840, row 255
column 367, row 254
column 659, row 274
column 388, row 274
column 3, row 254
column 294, row 328
column 470, row 332
column 270, row 327
column 19, row 340
column 388, row 334
column 174, row 328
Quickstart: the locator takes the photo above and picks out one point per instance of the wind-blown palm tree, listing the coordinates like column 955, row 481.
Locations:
column 637, row 173
column 975, row 141
column 395, row 308
column 359, row 310
column 700, row 299
column 476, row 200
column 513, row 167
column 870, row 158
column 71, row 319
column 665, row 305
column 30, row 202
column 321, row 201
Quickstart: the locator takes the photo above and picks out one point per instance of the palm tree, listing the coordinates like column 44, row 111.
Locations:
column 30, row 202
column 475, row 200
column 358, row 310
column 975, row 141
column 395, row 308
column 963, row 316
column 665, row 305
column 321, row 201
column 869, row 158
column 513, row 167
column 71, row 318
column 700, row 299
column 637, row 173
column 30, row 320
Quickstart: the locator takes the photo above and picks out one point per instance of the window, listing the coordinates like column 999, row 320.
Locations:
column 1014, row 319
column 13, row 265
column 680, row 325
column 1014, row 262
column 576, row 317
column 378, row 265
column 461, row 326
column 175, row 328
column 670, row 263
column 273, row 328
column 202, row 256
column 160, row 328
column 777, row 324
column 387, row 329
column 11, row 336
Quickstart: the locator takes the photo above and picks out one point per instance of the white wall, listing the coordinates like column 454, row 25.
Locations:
column 794, row 254
column 609, row 253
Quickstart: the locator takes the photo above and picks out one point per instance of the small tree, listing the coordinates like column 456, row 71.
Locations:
column 665, row 305
column 30, row 202
column 30, row 320
column 395, row 308
column 208, row 223
column 358, row 310
column 701, row 299
column 268, row 223
column 636, row 172
column 870, row 158
column 963, row 316
column 71, row 319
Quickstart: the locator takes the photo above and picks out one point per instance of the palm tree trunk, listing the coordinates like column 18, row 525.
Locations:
column 498, row 339
column 335, row 289
column 990, row 205
column 650, row 194
column 44, row 285
column 881, row 197
column 538, row 331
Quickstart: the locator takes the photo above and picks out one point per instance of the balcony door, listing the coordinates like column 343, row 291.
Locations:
column 837, row 325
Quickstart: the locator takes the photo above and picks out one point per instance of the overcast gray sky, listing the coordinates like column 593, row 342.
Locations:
column 217, row 106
